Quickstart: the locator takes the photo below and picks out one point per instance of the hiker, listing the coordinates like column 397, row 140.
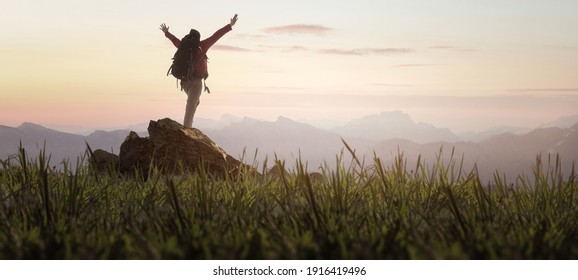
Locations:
column 193, row 86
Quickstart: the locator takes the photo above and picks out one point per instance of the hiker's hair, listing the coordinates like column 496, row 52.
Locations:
column 195, row 35
column 196, row 38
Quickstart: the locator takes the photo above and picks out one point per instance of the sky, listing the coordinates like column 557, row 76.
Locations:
column 464, row 65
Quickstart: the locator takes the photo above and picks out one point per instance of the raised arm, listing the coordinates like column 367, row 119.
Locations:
column 165, row 29
column 207, row 43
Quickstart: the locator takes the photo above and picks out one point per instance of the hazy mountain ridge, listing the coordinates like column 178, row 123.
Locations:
column 34, row 138
column 287, row 139
column 283, row 138
column 395, row 124
column 478, row 136
column 563, row 122
column 60, row 145
column 507, row 153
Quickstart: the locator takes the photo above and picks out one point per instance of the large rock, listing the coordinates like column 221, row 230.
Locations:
column 104, row 160
column 136, row 154
column 174, row 149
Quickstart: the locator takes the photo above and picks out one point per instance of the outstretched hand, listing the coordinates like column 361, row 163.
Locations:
column 164, row 28
column 233, row 20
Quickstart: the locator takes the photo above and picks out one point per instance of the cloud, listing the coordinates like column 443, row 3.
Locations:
column 345, row 52
column 299, row 29
column 391, row 85
column 367, row 51
column 339, row 52
column 297, row 49
column 249, row 36
column 442, row 47
column 230, row 48
column 286, row 49
column 451, row 48
column 545, row 89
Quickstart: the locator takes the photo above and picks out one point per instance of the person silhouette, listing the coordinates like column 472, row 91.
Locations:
column 193, row 87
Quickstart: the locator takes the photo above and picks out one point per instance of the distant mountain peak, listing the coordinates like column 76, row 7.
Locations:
column 250, row 120
column 396, row 117
column 395, row 124
column 393, row 113
column 28, row 126
column 282, row 119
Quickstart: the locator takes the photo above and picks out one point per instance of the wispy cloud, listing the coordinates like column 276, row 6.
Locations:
column 230, row 48
column 367, row 51
column 442, row 47
column 287, row 49
column 545, row 89
column 250, row 36
column 345, row 52
column 391, row 85
column 312, row 29
column 297, row 49
column 451, row 48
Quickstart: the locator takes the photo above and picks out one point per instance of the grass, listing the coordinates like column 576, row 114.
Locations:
column 356, row 211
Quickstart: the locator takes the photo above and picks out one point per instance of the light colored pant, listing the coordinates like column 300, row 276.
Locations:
column 193, row 88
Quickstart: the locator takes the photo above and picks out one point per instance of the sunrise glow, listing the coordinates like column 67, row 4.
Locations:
column 98, row 64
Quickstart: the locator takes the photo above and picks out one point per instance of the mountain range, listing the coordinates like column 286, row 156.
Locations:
column 385, row 135
column 60, row 146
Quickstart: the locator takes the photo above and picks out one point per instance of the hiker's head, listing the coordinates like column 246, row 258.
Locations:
column 195, row 35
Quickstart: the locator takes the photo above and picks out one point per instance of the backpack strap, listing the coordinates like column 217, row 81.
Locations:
column 206, row 87
column 169, row 71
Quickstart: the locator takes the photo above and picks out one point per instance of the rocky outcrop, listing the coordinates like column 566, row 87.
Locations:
column 136, row 154
column 174, row 149
column 103, row 160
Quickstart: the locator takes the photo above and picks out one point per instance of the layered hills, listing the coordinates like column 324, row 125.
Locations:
column 385, row 135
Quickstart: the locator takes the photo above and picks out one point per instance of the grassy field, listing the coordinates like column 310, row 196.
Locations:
column 356, row 211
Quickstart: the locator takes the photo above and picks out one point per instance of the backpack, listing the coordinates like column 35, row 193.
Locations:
column 183, row 61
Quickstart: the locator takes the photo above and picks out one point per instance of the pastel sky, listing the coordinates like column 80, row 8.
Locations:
column 452, row 63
